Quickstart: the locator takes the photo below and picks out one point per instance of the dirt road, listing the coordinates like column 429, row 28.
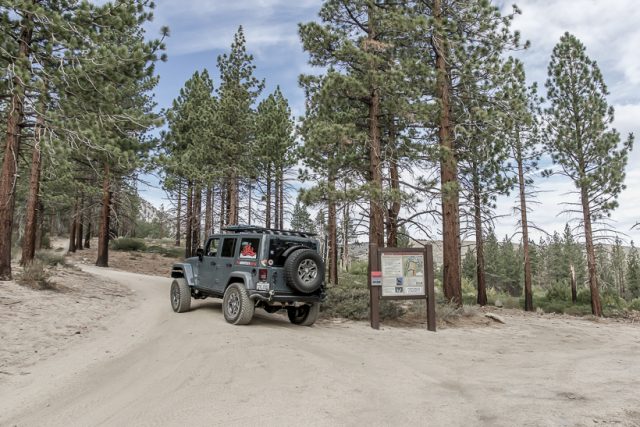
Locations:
column 154, row 367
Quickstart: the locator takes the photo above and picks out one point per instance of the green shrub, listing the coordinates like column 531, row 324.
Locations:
column 584, row 296
column 359, row 268
column 51, row 259
column 172, row 252
column 558, row 291
column 634, row 304
column 35, row 276
column 578, row 310
column 128, row 244
column 350, row 300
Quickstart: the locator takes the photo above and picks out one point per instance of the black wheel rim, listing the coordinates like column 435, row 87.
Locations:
column 175, row 296
column 308, row 270
column 233, row 304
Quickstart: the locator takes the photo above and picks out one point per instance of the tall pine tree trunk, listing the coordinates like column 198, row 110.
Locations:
column 73, row 227
column 596, row 306
column 87, row 234
column 33, row 200
column 208, row 215
column 8, row 174
column 574, row 288
column 79, row 225
column 452, row 285
column 197, row 218
column 528, row 293
column 105, row 218
column 188, row 220
column 276, row 201
column 333, row 233
column 346, row 220
column 267, row 220
column 477, row 208
column 281, row 198
column 233, row 200
column 394, row 209
column 178, row 214
column 223, row 205
column 376, row 213
column 250, row 200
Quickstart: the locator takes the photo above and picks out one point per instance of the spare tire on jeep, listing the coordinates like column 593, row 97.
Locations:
column 304, row 270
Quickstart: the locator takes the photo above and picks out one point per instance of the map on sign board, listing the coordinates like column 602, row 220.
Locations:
column 402, row 274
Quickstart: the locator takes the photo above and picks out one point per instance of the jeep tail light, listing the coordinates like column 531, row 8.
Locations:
column 262, row 274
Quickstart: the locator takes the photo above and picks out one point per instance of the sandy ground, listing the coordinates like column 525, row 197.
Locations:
column 37, row 324
column 150, row 366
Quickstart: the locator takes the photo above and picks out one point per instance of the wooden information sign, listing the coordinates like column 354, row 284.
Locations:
column 401, row 273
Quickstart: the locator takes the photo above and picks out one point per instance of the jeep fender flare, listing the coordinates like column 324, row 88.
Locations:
column 293, row 248
column 241, row 276
column 183, row 270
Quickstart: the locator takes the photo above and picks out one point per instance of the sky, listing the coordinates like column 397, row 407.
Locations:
column 203, row 29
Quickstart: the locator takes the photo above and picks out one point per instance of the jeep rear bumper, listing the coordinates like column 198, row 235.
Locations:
column 266, row 296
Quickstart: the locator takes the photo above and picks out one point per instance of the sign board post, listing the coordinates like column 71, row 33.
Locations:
column 400, row 274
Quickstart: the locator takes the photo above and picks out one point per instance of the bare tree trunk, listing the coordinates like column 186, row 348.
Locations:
column 276, row 201
column 346, row 265
column 528, row 293
column 232, row 197
column 574, row 288
column 105, row 217
column 480, row 277
column 8, row 174
column 452, row 285
column 197, row 216
column 208, row 216
column 333, row 234
column 33, row 200
column 376, row 212
column 596, row 306
column 394, row 210
column 189, row 220
column 79, row 225
column 281, row 198
column 223, row 205
column 87, row 235
column 73, row 227
column 250, row 197
column 178, row 212
column 267, row 220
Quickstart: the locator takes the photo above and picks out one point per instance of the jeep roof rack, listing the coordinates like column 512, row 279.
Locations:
column 262, row 230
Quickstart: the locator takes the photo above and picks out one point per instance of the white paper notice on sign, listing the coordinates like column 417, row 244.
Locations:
column 402, row 274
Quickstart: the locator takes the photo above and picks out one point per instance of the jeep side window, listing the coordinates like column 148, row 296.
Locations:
column 212, row 247
column 249, row 248
column 228, row 247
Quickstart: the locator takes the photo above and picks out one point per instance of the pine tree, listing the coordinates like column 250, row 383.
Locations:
column 234, row 119
column 521, row 129
column 618, row 264
column 301, row 220
column 581, row 143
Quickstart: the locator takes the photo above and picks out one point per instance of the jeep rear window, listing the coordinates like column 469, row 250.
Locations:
column 228, row 247
column 277, row 247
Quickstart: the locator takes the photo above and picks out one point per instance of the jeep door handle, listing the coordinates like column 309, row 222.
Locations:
column 229, row 265
column 213, row 263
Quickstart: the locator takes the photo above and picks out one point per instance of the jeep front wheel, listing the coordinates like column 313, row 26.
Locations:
column 305, row 315
column 304, row 270
column 180, row 296
column 238, row 309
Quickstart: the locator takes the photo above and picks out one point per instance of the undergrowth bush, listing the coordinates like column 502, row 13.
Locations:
column 634, row 304
column 350, row 300
column 128, row 244
column 172, row 252
column 51, row 259
column 35, row 276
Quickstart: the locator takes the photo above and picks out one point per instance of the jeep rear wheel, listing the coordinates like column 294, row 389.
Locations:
column 238, row 309
column 180, row 295
column 304, row 270
column 305, row 315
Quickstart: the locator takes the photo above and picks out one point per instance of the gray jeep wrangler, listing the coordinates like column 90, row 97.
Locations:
column 251, row 267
